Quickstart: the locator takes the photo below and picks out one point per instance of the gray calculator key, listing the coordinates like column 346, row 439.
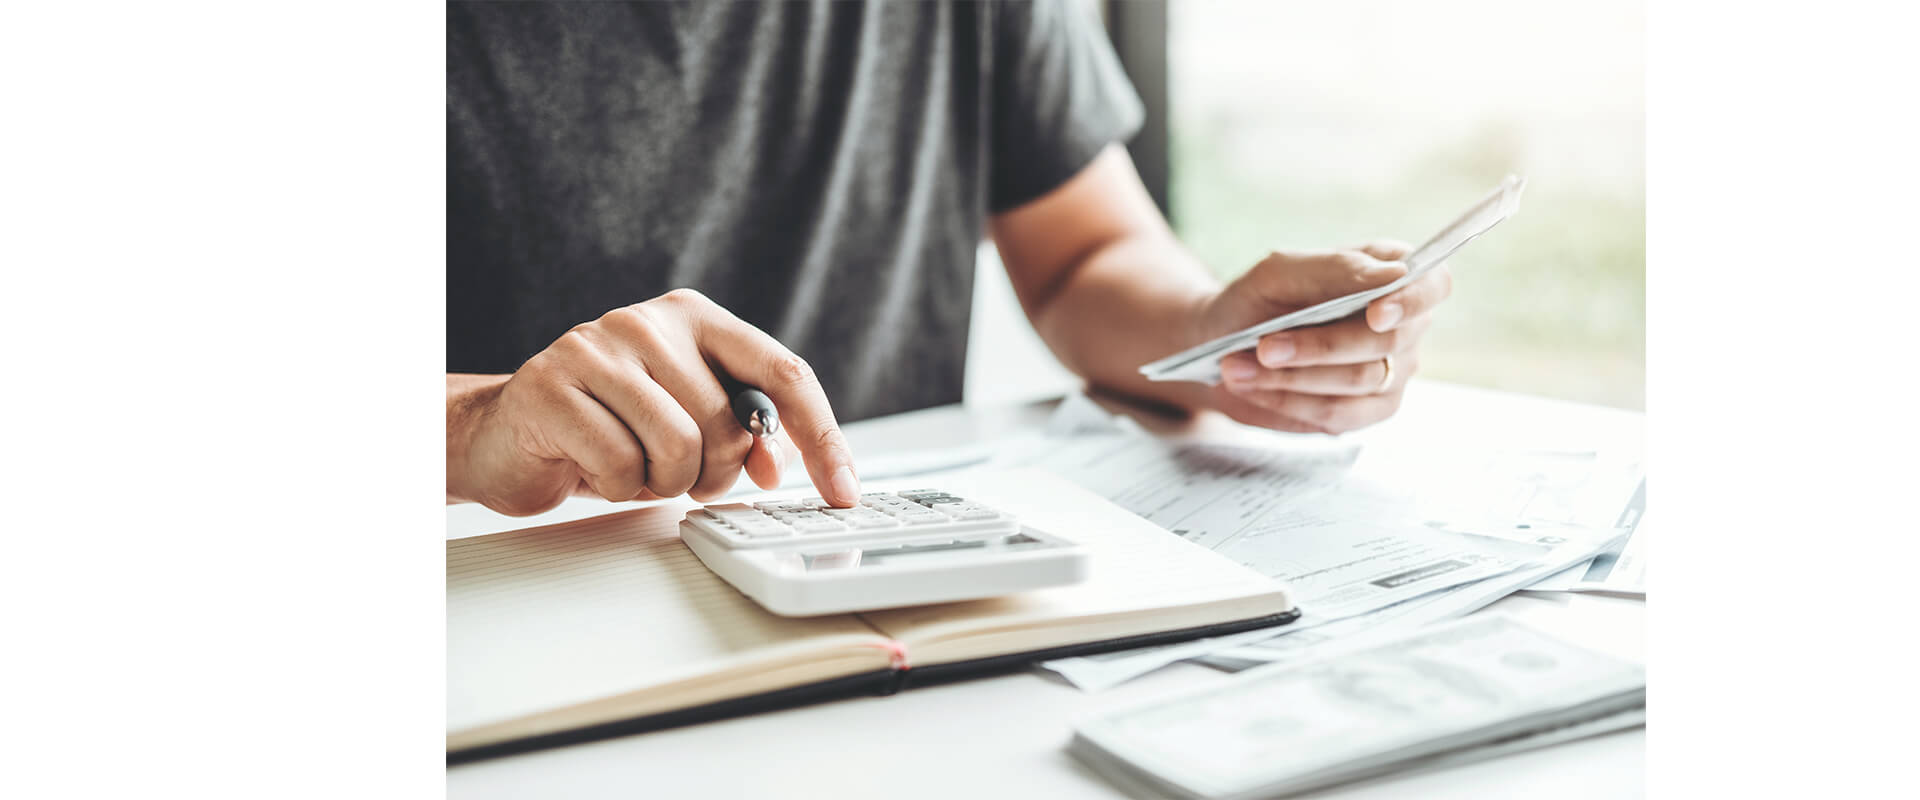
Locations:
column 970, row 511
column 822, row 525
column 765, row 530
column 876, row 521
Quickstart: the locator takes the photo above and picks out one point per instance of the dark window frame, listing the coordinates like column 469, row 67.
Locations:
column 1138, row 29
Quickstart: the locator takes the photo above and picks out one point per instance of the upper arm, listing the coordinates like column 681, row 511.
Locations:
column 1044, row 240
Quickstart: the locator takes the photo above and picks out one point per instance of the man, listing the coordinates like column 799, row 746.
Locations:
column 650, row 203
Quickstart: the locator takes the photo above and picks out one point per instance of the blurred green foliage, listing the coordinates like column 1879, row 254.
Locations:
column 1551, row 302
column 1312, row 125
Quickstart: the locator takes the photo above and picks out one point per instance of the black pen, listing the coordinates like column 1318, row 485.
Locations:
column 755, row 412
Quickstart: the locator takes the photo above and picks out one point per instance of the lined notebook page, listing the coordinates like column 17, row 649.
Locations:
column 1142, row 579
column 568, row 614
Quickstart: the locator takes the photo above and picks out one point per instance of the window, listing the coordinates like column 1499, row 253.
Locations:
column 1322, row 124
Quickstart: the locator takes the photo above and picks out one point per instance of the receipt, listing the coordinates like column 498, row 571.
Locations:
column 1576, row 546
column 1348, row 544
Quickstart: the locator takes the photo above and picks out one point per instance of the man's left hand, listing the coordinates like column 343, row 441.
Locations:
column 1329, row 378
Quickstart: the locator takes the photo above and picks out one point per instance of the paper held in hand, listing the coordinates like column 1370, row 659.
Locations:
column 1473, row 689
column 1202, row 363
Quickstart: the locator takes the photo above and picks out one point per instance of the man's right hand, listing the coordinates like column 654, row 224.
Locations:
column 631, row 407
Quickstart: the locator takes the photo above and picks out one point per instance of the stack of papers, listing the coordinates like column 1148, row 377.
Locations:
column 1474, row 689
column 1377, row 544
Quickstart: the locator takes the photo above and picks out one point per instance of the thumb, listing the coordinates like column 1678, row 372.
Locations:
column 1301, row 279
column 765, row 461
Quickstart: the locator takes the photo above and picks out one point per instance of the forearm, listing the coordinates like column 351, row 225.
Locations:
column 467, row 398
column 1135, row 299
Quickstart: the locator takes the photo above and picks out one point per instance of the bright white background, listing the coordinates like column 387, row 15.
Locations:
column 1321, row 124
column 223, row 244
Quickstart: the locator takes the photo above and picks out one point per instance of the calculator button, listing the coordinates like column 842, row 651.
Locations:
column 765, row 530
column 822, row 525
column 875, row 522
column 780, row 505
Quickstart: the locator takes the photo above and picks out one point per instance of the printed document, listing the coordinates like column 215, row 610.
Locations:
column 1349, row 544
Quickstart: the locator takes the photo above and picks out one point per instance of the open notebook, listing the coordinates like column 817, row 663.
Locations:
column 610, row 625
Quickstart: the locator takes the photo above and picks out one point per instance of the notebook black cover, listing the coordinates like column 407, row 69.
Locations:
column 879, row 682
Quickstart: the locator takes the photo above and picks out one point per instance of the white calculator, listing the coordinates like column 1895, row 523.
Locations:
column 800, row 558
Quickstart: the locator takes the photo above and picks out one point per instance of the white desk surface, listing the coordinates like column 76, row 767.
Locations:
column 1003, row 736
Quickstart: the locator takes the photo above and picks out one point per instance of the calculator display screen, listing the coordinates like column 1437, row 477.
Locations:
column 850, row 557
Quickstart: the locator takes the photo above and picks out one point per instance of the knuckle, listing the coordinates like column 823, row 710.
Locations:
column 793, row 371
column 635, row 322
column 617, row 471
column 1366, row 376
column 537, row 370
column 545, row 373
column 828, row 441
column 622, row 484
column 678, row 445
column 690, row 298
column 1327, row 413
column 627, row 316
column 574, row 342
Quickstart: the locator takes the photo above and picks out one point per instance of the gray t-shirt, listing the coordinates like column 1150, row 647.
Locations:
column 824, row 170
